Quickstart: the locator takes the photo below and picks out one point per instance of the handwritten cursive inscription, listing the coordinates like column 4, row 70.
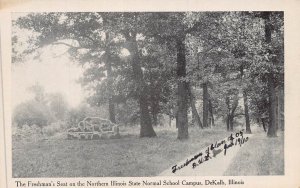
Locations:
column 213, row 150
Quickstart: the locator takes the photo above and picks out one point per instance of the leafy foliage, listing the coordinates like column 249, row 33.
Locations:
column 130, row 59
column 32, row 113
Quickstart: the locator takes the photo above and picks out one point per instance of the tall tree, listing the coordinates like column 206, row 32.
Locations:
column 178, row 29
column 91, row 33
column 211, row 112
column 170, row 28
column 146, row 124
column 205, row 104
column 131, row 26
column 81, row 32
column 182, row 119
column 269, row 61
column 270, row 76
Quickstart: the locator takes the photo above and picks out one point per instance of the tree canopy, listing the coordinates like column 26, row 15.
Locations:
column 163, row 63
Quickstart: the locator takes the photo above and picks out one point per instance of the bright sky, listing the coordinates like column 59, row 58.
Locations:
column 54, row 71
column 55, row 74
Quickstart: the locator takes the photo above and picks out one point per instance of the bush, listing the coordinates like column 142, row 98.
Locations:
column 27, row 133
column 53, row 128
column 32, row 113
column 36, row 133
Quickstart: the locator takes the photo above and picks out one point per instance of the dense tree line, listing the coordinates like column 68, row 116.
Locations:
column 166, row 63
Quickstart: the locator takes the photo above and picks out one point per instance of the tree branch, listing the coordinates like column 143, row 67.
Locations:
column 66, row 44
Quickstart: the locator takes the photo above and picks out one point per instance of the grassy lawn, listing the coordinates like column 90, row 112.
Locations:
column 128, row 156
column 261, row 156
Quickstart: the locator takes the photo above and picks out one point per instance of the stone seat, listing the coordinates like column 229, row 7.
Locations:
column 94, row 128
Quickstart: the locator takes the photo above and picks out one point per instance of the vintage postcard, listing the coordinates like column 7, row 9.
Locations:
column 149, row 94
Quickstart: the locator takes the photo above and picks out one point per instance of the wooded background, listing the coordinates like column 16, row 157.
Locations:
column 149, row 68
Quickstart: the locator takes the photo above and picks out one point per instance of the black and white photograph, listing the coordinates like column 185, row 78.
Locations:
column 145, row 94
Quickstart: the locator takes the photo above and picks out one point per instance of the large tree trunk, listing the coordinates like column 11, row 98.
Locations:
column 205, row 105
column 263, row 124
column 231, row 122
column 246, row 108
column 211, row 112
column 194, row 110
column 228, row 122
column 181, row 118
column 271, row 84
column 111, row 105
column 272, row 107
column 112, row 113
column 230, row 115
column 234, row 106
column 146, row 124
